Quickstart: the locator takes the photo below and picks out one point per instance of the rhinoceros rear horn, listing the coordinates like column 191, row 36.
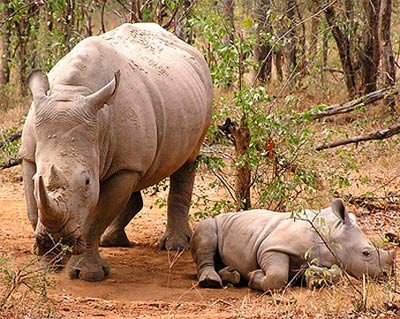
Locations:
column 38, row 84
column 339, row 210
column 98, row 98
column 49, row 217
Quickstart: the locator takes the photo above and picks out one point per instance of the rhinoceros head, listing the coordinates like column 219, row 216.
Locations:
column 66, row 183
column 352, row 248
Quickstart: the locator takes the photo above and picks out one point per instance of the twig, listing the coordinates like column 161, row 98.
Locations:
column 379, row 135
column 350, row 106
column 11, row 138
column 11, row 163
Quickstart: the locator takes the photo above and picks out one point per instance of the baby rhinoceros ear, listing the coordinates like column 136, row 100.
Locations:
column 340, row 211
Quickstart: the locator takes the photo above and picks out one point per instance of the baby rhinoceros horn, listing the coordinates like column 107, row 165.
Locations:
column 50, row 217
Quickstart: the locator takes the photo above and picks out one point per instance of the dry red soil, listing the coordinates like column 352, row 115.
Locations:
column 149, row 283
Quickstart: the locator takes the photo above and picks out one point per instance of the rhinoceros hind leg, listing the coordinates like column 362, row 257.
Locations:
column 114, row 235
column 178, row 231
column 203, row 246
column 229, row 275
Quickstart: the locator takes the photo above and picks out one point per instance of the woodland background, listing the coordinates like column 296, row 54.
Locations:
column 305, row 107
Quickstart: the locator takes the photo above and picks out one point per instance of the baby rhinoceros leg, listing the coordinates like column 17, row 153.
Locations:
column 229, row 275
column 203, row 247
column 274, row 272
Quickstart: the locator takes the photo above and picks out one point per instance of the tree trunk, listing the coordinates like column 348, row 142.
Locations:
column 241, row 136
column 343, row 44
column 388, row 65
column 69, row 23
column 5, row 45
column 370, row 53
column 182, row 27
column 229, row 7
column 263, row 48
column 301, row 68
column 291, row 48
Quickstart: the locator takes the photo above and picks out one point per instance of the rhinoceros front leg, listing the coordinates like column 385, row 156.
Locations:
column 115, row 233
column 28, row 170
column 203, row 246
column 274, row 272
column 114, row 196
column 178, row 231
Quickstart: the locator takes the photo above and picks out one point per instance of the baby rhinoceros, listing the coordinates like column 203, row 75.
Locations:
column 267, row 248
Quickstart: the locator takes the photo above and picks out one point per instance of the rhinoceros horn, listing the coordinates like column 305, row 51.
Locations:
column 98, row 98
column 50, row 217
column 56, row 178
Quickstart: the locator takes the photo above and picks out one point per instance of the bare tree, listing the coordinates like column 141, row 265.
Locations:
column 388, row 64
column 5, row 44
column 263, row 48
column 370, row 53
column 229, row 7
column 291, row 46
column 344, row 48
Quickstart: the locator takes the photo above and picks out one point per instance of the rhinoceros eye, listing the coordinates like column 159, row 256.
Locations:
column 87, row 181
column 366, row 253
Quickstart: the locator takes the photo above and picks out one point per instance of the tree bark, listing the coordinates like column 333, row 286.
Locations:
column 241, row 136
column 291, row 47
column 229, row 7
column 5, row 45
column 388, row 64
column 352, row 105
column 379, row 135
column 263, row 48
column 343, row 44
column 69, row 18
column 370, row 54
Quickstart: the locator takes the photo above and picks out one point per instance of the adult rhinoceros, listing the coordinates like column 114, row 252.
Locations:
column 268, row 248
column 117, row 114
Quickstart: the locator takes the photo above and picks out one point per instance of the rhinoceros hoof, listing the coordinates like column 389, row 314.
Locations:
column 88, row 266
column 175, row 241
column 115, row 239
column 210, row 279
column 229, row 275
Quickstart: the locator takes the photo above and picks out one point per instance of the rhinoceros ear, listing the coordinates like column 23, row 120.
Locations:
column 98, row 98
column 340, row 211
column 38, row 84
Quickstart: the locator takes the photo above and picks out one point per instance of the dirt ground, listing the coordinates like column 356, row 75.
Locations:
column 148, row 283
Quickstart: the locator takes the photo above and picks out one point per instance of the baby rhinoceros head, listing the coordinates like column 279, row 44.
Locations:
column 352, row 248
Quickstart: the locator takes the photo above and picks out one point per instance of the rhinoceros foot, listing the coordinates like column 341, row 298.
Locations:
column 88, row 266
column 229, row 275
column 208, row 278
column 173, row 240
column 116, row 238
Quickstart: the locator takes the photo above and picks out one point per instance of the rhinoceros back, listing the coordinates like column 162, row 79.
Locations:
column 162, row 107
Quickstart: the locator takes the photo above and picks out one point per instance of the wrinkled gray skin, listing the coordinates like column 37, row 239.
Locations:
column 268, row 248
column 119, row 113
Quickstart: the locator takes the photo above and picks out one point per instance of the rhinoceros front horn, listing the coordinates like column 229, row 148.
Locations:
column 51, row 218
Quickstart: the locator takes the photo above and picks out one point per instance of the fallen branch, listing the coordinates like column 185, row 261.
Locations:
column 10, row 163
column 11, row 138
column 349, row 106
column 379, row 135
